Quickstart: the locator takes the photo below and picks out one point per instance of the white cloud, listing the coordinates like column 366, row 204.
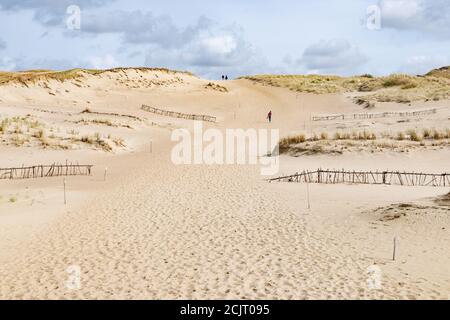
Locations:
column 400, row 10
column 421, row 64
column 219, row 48
column 221, row 45
column 331, row 56
column 199, row 46
column 137, row 27
column 7, row 64
column 104, row 62
column 209, row 51
column 430, row 16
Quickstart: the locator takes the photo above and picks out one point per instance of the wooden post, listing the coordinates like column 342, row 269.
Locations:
column 307, row 195
column 64, row 182
column 106, row 170
column 395, row 248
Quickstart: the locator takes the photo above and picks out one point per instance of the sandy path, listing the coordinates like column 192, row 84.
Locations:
column 189, row 232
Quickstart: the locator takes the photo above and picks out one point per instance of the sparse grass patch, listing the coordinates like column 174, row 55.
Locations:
column 39, row 134
column 414, row 136
column 394, row 88
column 102, row 122
column 300, row 138
column 216, row 87
column 95, row 141
column 324, row 136
column 397, row 80
column 119, row 142
column 364, row 140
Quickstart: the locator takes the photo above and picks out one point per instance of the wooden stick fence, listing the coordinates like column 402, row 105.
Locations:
column 368, row 177
column 41, row 171
column 344, row 116
column 180, row 115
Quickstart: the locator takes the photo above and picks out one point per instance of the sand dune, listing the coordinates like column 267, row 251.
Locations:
column 155, row 230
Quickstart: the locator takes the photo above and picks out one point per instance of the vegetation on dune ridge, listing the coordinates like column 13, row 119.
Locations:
column 32, row 76
column 339, row 142
column 443, row 72
column 396, row 87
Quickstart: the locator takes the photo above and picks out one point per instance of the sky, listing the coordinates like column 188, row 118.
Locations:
column 232, row 37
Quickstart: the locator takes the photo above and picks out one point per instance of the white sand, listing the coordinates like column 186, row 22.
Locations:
column 154, row 230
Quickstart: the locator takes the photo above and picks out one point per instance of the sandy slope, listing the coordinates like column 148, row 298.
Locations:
column 156, row 230
column 205, row 235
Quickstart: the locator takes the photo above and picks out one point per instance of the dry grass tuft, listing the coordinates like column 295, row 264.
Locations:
column 216, row 87
column 364, row 140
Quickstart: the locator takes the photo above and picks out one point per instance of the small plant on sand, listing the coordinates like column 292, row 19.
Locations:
column 96, row 141
column 39, row 134
column 437, row 135
column 400, row 136
column 324, row 136
column 409, row 86
column 285, row 143
column 4, row 126
column 414, row 136
column 347, row 136
column 87, row 139
column 119, row 142
column 97, row 137
column 45, row 143
column 17, row 130
column 366, row 135
column 18, row 140
column 337, row 136
column 397, row 80
column 300, row 138
column 35, row 124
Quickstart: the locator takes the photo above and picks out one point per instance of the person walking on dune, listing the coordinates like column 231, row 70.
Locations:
column 269, row 116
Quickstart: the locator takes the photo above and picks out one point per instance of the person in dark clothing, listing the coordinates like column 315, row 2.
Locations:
column 226, row 77
column 269, row 116
column 223, row 77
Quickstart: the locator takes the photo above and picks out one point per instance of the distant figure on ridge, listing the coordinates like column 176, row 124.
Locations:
column 226, row 77
column 269, row 116
column 223, row 77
